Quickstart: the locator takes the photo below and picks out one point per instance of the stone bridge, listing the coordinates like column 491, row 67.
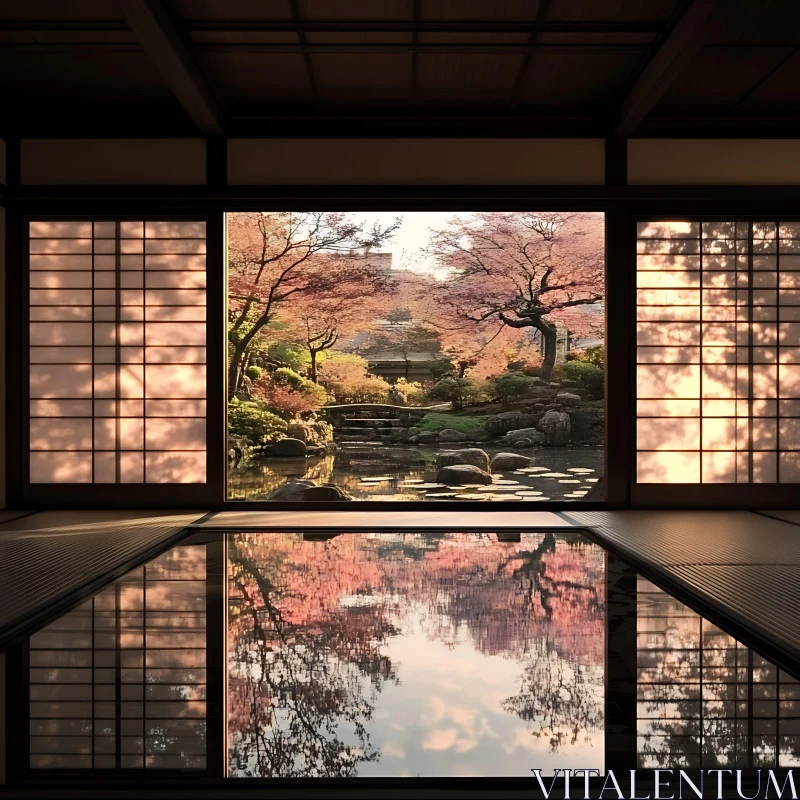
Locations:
column 374, row 420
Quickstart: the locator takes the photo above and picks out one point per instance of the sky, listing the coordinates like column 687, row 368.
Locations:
column 413, row 236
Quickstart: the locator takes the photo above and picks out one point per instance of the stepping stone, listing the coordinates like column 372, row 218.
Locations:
column 495, row 488
column 440, row 494
column 411, row 481
column 534, row 469
column 581, row 493
column 567, row 480
column 580, row 469
column 472, row 497
column 529, row 494
column 428, row 486
column 592, row 480
column 573, row 495
column 505, row 483
column 534, row 499
column 555, row 475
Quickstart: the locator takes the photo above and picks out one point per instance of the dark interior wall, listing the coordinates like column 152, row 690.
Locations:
column 407, row 161
column 2, row 718
column 443, row 161
column 2, row 332
column 113, row 161
column 720, row 162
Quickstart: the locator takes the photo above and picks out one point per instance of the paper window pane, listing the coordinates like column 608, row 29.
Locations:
column 749, row 351
column 89, row 327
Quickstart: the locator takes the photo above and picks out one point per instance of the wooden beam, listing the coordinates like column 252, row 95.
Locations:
column 533, row 40
column 162, row 41
column 304, row 48
column 671, row 56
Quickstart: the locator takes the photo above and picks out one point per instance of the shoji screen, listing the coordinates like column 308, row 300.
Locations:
column 718, row 352
column 117, row 338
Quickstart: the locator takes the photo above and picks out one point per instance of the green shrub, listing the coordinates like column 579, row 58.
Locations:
column 510, row 386
column 595, row 355
column 587, row 376
column 289, row 355
column 458, row 391
column 254, row 373
column 250, row 420
column 283, row 376
column 438, row 422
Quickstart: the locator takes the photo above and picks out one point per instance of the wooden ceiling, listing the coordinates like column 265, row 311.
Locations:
column 400, row 67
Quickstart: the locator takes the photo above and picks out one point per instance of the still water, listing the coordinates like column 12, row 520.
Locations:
column 391, row 655
column 409, row 473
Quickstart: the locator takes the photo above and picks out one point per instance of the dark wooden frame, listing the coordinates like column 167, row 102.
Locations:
column 622, row 204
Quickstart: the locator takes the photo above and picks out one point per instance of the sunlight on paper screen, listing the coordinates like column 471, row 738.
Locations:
column 718, row 344
column 117, row 342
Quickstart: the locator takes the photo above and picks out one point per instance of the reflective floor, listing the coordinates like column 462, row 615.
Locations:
column 391, row 655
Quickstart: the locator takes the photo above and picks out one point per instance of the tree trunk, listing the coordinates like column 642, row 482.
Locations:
column 313, row 369
column 549, row 338
column 235, row 370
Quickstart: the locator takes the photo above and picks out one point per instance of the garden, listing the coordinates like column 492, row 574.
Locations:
column 428, row 356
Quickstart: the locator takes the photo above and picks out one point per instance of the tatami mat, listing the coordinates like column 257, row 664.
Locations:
column 736, row 565
column 51, row 556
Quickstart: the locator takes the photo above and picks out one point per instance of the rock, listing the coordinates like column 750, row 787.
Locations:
column 503, row 461
column 555, row 426
column 237, row 451
column 509, row 421
column 523, row 444
column 327, row 492
column 296, row 430
column 398, row 435
column 458, row 474
column 291, row 491
column 534, row 434
column 472, row 455
column 450, row 435
column 587, row 426
column 568, row 399
column 396, row 397
column 289, row 448
column 413, row 439
column 426, row 437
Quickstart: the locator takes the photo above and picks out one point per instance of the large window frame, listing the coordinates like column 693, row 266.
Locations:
column 623, row 208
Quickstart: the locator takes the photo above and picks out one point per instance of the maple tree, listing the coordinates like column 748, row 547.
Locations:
column 527, row 270
column 277, row 258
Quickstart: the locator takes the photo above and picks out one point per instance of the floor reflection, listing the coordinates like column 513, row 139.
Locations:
column 120, row 681
column 409, row 654
column 704, row 699
column 392, row 654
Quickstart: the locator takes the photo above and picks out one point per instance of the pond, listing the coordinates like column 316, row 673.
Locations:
column 409, row 473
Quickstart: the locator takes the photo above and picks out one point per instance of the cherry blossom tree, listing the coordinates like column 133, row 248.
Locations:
column 522, row 271
column 276, row 257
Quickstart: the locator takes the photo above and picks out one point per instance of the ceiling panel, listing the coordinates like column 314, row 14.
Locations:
column 717, row 79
